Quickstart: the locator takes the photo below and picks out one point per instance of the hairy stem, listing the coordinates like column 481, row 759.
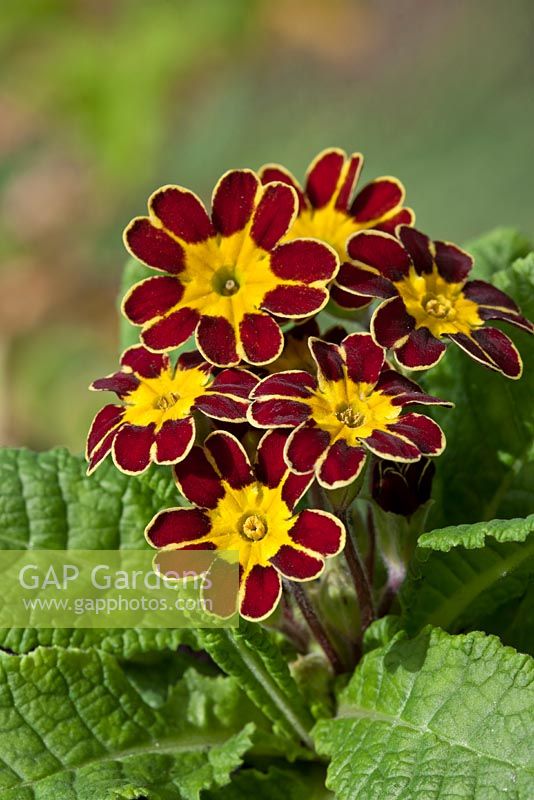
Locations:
column 358, row 573
column 316, row 627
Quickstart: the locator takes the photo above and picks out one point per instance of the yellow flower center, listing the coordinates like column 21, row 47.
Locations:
column 351, row 411
column 224, row 282
column 438, row 305
column 328, row 224
column 167, row 397
column 254, row 528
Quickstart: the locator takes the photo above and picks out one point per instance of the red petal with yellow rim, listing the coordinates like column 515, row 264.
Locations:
column 197, row 479
column 144, row 362
column 422, row 431
column 318, row 531
column 151, row 298
column 364, row 358
column 122, row 383
column 182, row 213
column 501, row 350
column 379, row 251
column 220, row 406
column 418, row 246
column 100, row 452
column 277, row 412
column 154, row 247
column 107, row 419
column 238, row 382
column 171, row 331
column 453, row 263
column 230, row 459
column 177, row 526
column 273, row 215
column 376, row 199
column 346, row 299
column 305, row 446
column 486, row 312
column 233, row 201
column 363, row 282
column 216, row 341
column 329, row 359
column 342, row 465
column 387, row 445
column 296, row 564
column 323, row 177
column 294, row 301
column 131, row 448
column 484, row 294
column 421, row 351
column 391, row 323
column 304, row 260
column 295, row 383
column 270, row 465
column 174, row 439
column 404, row 391
column 261, row 592
column 275, row 172
column 352, row 169
column 194, row 360
column 404, row 217
column 261, row 338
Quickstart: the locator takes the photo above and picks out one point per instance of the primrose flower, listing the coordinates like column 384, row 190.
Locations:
column 328, row 209
column 226, row 276
column 354, row 405
column 296, row 353
column 155, row 419
column 249, row 509
column 402, row 488
column 429, row 301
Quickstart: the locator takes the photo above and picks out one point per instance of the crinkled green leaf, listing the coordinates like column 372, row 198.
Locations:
column 496, row 251
column 48, row 502
column 249, row 655
column 73, row 727
column 437, row 716
column 513, row 622
column 487, row 469
column 304, row 783
column 460, row 575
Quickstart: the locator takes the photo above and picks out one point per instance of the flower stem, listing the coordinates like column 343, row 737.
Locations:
column 316, row 626
column 371, row 553
column 358, row 572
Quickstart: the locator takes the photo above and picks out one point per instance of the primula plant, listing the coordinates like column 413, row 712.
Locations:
column 287, row 393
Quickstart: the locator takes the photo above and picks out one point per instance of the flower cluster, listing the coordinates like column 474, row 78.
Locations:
column 236, row 383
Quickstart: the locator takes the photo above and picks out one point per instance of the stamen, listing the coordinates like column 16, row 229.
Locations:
column 166, row 401
column 438, row 306
column 254, row 528
column 350, row 418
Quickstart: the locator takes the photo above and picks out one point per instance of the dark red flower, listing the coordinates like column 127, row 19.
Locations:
column 428, row 300
column 249, row 509
column 155, row 419
column 355, row 404
column 227, row 276
column 402, row 488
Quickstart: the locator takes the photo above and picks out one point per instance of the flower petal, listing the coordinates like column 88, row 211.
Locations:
column 275, row 172
column 499, row 352
column 194, row 360
column 323, row 176
column 362, row 281
column 154, row 246
column 107, row 419
column 122, row 383
column 293, row 383
column 405, row 216
column 216, row 341
column 277, row 413
column 171, row 331
column 297, row 565
column 387, row 445
column 318, row 531
column 380, row 251
column 421, row 350
column 100, row 452
column 174, row 440
column 347, row 299
column 295, row 301
column 376, row 199
column 151, row 298
column 182, row 213
column 273, row 215
column 404, row 391
column 237, row 382
column 341, row 466
column 391, row 324
column 233, row 201
column 348, row 180
column 305, row 446
column 229, row 459
column 132, row 448
column 364, row 358
column 304, row 260
column 422, row 431
column 222, row 407
column 260, row 593
column 418, row 246
column 453, row 263
column 261, row 338
column 484, row 294
column 329, row 359
column 177, row 526
column 271, row 469
column 197, row 479
column 144, row 362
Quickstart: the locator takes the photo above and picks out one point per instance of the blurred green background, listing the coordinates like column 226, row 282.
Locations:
column 103, row 100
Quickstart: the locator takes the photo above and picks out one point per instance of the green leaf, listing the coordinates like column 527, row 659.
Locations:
column 47, row 502
column 496, row 250
column 74, row 727
column 487, row 469
column 249, row 655
column 305, row 783
column 513, row 622
column 459, row 575
column 433, row 717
